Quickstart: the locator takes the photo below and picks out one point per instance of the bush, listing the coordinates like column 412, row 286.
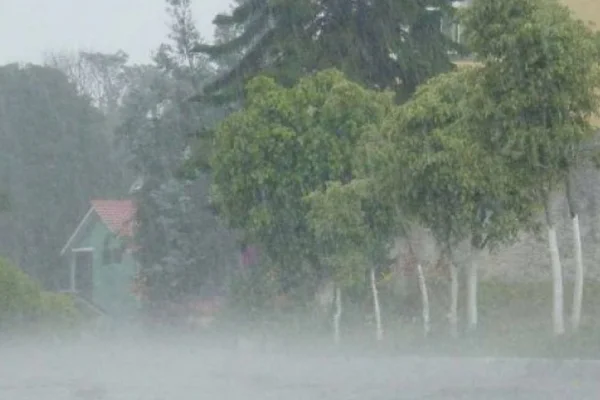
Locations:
column 23, row 304
column 58, row 311
column 20, row 296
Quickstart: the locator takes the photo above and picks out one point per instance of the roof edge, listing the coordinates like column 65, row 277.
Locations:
column 77, row 230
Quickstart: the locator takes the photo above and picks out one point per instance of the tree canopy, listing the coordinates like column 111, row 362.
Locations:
column 182, row 249
column 285, row 144
column 386, row 44
column 49, row 132
column 432, row 156
column 541, row 72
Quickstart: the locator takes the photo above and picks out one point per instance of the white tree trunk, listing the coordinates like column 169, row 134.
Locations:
column 557, row 283
column 337, row 315
column 472, row 283
column 376, row 307
column 579, row 275
column 424, row 300
column 453, row 314
column 579, row 269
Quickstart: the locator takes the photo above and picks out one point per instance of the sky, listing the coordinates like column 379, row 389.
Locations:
column 31, row 28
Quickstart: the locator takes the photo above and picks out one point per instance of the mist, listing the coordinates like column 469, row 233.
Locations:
column 326, row 200
column 174, row 367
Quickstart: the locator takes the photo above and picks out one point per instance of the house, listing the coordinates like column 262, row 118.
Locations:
column 99, row 258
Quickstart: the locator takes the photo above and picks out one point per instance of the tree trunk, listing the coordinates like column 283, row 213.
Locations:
column 376, row 307
column 337, row 315
column 453, row 314
column 424, row 300
column 579, row 270
column 579, row 276
column 472, row 282
column 557, row 278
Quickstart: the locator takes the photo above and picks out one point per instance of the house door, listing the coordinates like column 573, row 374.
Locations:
column 84, row 273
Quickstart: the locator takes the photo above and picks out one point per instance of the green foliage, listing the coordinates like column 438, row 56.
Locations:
column 24, row 304
column 182, row 248
column 58, row 311
column 54, row 159
column 475, row 152
column 253, row 291
column 285, row 144
column 288, row 39
column 19, row 294
column 432, row 157
column 352, row 227
column 337, row 218
column 541, row 74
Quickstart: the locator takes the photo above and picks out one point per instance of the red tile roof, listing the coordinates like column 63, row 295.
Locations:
column 118, row 215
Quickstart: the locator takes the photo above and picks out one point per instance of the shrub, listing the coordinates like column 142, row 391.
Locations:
column 58, row 311
column 24, row 304
column 20, row 296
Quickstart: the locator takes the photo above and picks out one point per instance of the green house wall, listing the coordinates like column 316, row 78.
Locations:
column 112, row 283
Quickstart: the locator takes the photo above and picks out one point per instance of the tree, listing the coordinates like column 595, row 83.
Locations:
column 431, row 155
column 104, row 78
column 224, row 34
column 183, row 251
column 540, row 70
column 353, row 228
column 53, row 162
column 382, row 44
column 100, row 76
column 284, row 145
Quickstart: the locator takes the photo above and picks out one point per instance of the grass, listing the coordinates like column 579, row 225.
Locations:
column 515, row 321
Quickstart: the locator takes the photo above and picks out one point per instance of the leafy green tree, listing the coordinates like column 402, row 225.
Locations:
column 285, row 144
column 394, row 44
column 431, row 155
column 352, row 227
column 540, row 70
column 54, row 160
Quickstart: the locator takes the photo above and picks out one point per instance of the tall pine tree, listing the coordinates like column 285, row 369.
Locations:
column 394, row 44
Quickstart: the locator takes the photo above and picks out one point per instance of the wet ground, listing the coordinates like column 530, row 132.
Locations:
column 158, row 371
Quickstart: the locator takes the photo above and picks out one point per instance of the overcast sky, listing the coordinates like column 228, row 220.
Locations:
column 29, row 28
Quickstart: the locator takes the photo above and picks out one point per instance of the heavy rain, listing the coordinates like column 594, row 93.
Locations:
column 299, row 199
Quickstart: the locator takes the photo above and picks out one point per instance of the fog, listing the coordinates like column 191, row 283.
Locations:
column 182, row 369
column 256, row 218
